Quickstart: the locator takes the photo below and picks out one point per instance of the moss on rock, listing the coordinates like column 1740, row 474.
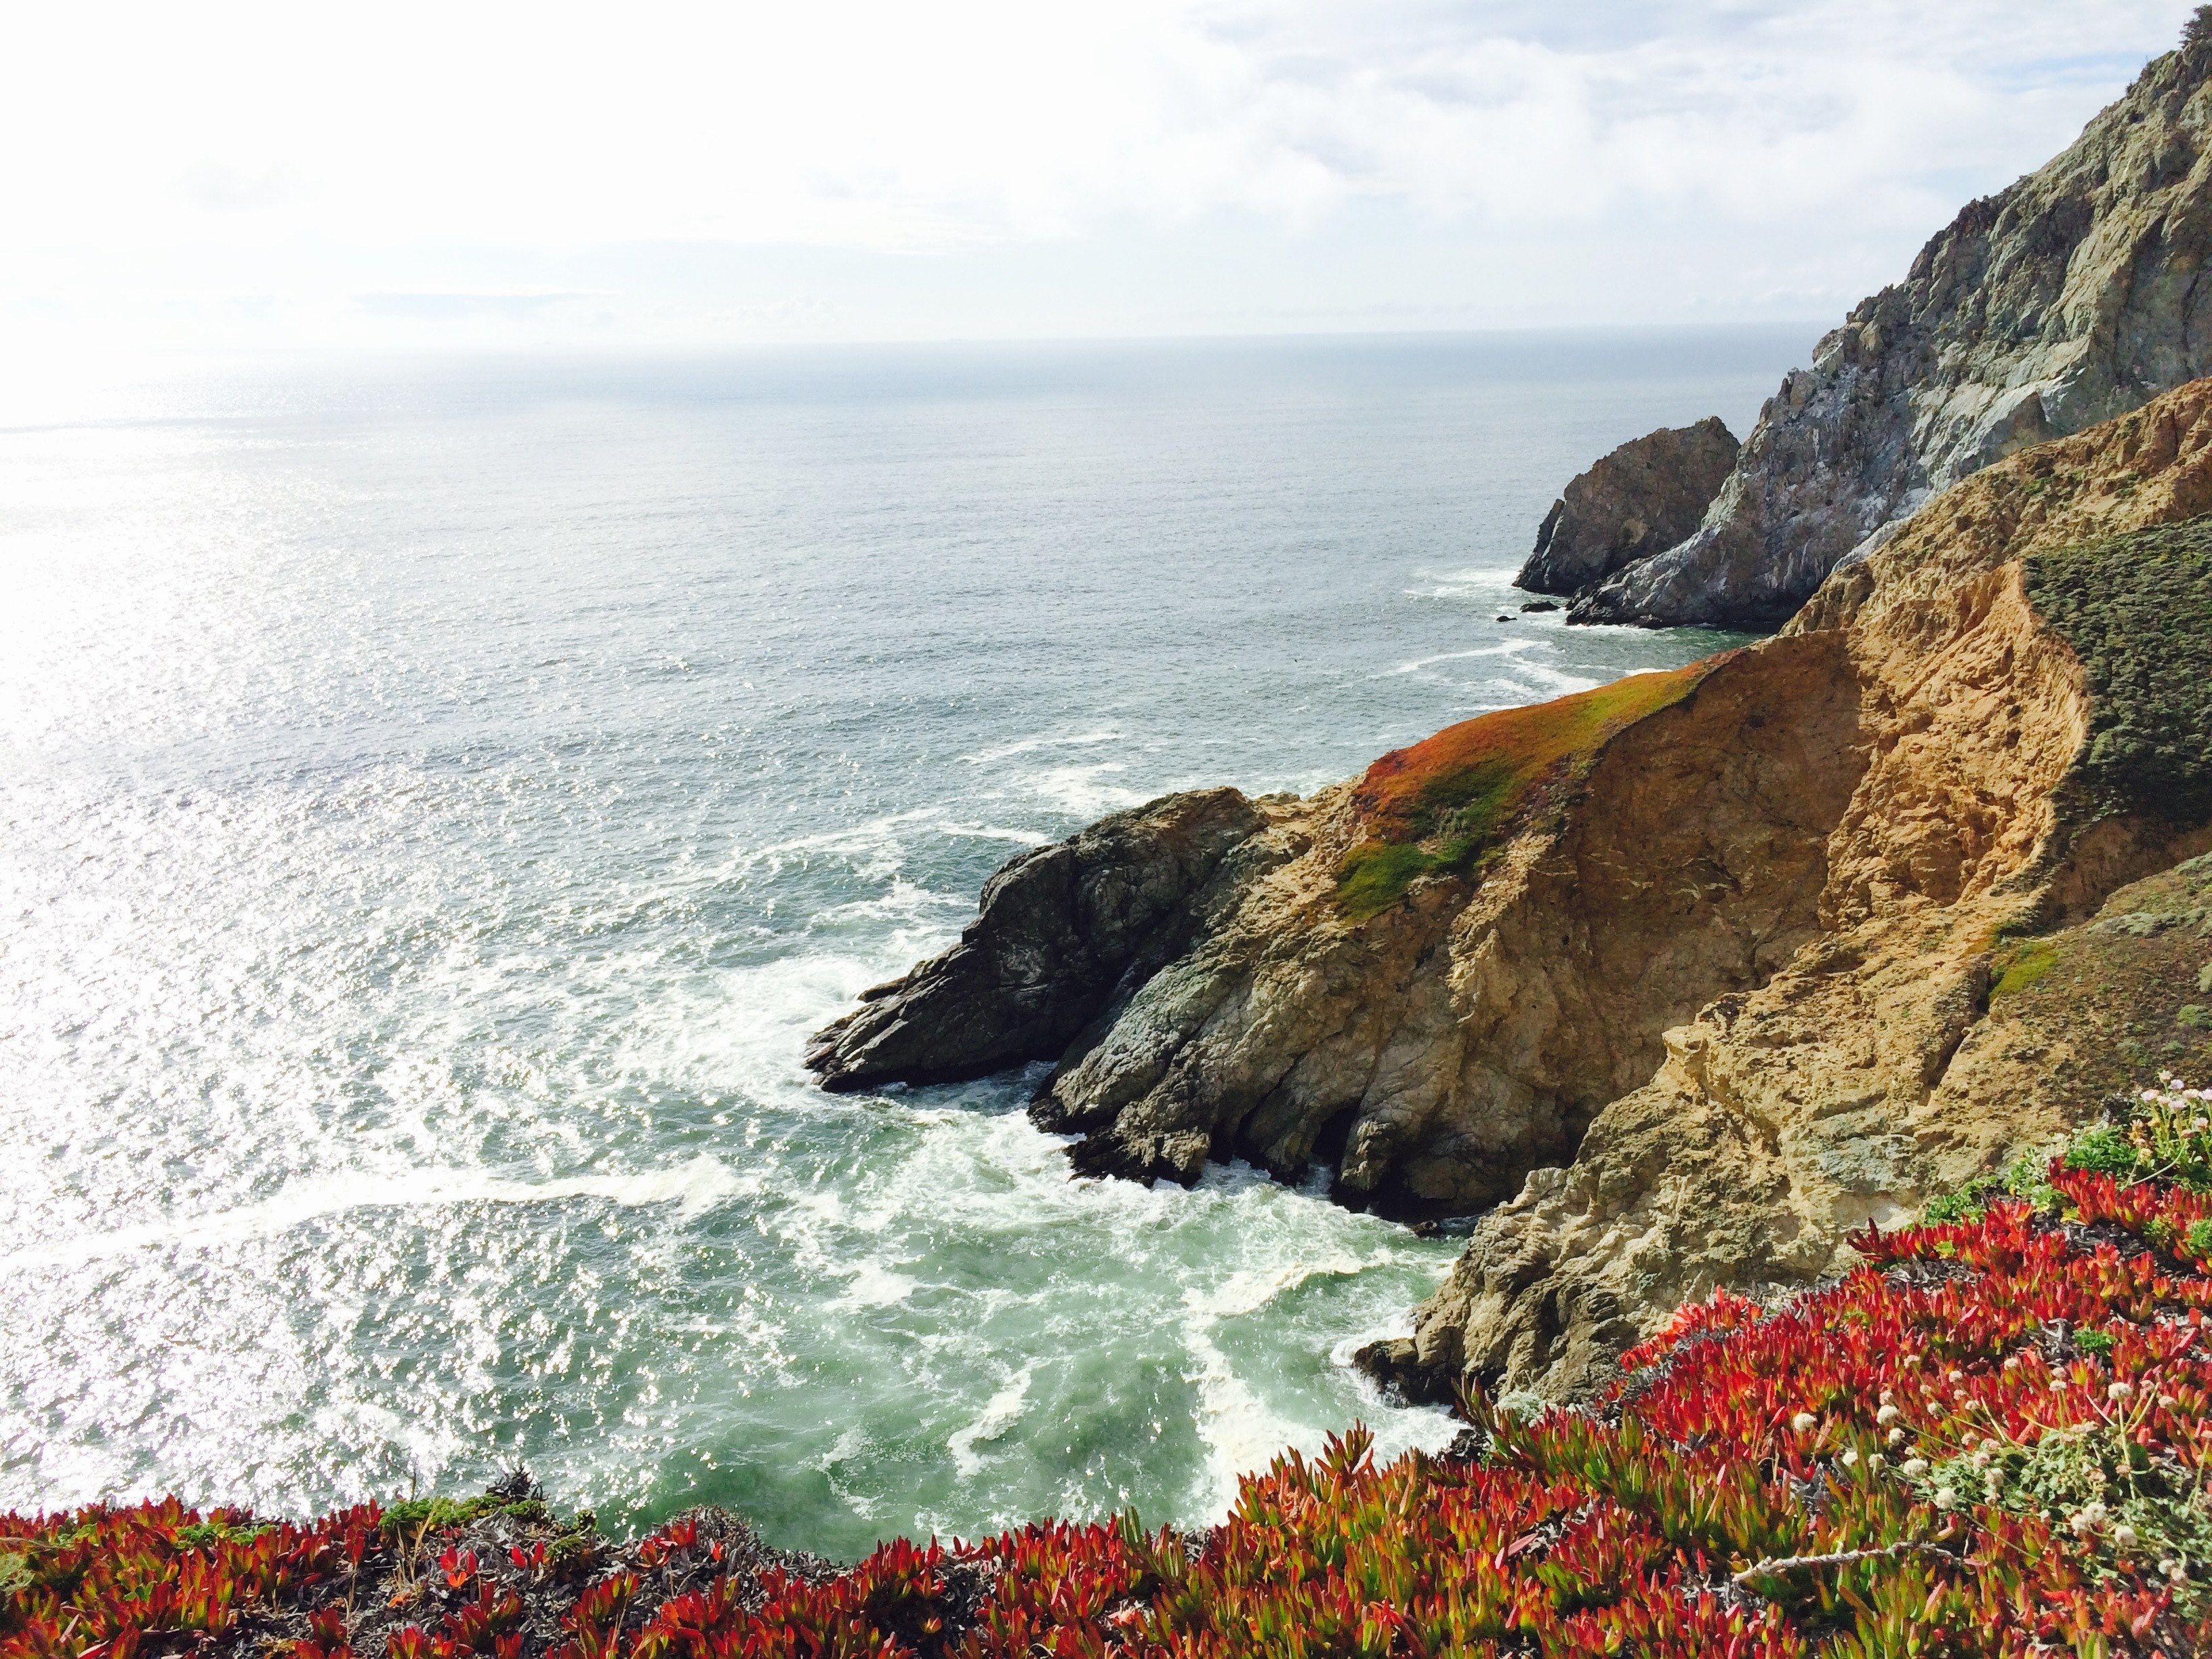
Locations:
column 2137, row 611
column 1441, row 805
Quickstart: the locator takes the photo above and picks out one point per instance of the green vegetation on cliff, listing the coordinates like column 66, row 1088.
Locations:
column 1439, row 806
column 2137, row 611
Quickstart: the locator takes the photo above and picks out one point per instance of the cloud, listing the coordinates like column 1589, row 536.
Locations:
column 447, row 150
column 446, row 307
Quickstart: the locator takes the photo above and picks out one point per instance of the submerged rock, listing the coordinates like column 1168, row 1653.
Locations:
column 2066, row 299
column 1643, row 497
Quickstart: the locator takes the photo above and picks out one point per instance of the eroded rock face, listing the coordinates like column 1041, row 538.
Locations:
column 2062, row 301
column 1871, row 1072
column 1642, row 499
column 1058, row 932
column 1463, row 1032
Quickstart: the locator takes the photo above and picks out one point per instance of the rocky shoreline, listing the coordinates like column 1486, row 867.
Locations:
column 2065, row 300
column 1680, row 981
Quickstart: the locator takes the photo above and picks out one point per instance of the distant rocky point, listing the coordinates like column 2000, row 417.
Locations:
column 2069, row 298
column 1642, row 499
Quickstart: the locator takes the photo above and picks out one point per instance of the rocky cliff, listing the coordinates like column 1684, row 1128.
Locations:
column 1693, row 972
column 1642, row 499
column 2068, row 299
column 2026, row 669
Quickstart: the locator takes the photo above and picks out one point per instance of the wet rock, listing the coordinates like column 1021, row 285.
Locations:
column 1060, row 931
column 1643, row 498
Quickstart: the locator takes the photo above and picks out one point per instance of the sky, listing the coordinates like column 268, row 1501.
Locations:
column 226, row 176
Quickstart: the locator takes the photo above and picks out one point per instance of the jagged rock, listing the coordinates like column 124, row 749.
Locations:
column 1471, row 954
column 2066, row 299
column 1641, row 499
column 1434, row 976
column 1058, row 931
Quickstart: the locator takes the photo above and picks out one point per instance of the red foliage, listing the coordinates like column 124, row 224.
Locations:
column 1400, row 793
column 1798, row 1480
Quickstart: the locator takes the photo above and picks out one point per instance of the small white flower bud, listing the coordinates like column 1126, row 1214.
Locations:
column 1851, row 1458
column 1804, row 1422
column 2123, row 1536
column 1887, row 1415
column 1896, row 1436
column 1946, row 1499
column 2120, row 1391
column 1913, row 1468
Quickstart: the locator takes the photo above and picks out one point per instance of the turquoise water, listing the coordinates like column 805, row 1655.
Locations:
column 437, row 800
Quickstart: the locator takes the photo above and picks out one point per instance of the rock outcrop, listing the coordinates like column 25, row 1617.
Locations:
column 1642, row 499
column 1061, row 932
column 2066, row 299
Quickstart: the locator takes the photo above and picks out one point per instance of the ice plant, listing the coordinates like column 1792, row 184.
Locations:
column 1991, row 1438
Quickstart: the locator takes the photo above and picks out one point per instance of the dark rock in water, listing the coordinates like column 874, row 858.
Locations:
column 1640, row 500
column 2069, row 298
column 1502, row 616
column 1060, row 932
column 1540, row 604
column 1397, row 1366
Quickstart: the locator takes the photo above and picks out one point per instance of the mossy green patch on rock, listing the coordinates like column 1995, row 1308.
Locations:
column 2029, row 963
column 1441, row 805
column 2137, row 611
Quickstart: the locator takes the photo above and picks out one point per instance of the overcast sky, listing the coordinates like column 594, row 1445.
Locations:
column 406, row 175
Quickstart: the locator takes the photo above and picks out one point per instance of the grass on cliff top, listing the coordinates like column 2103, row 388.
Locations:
column 2137, row 611
column 1437, row 807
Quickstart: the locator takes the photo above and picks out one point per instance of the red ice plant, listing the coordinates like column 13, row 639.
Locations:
column 1991, row 1438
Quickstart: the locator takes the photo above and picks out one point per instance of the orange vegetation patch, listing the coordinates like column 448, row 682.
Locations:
column 1438, row 805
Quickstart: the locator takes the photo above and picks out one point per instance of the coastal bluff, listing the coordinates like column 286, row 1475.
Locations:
column 1681, row 980
column 2065, row 299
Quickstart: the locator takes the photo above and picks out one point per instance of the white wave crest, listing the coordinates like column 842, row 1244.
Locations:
column 1000, row 1412
column 695, row 1188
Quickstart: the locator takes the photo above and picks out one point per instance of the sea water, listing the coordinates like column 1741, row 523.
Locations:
column 437, row 800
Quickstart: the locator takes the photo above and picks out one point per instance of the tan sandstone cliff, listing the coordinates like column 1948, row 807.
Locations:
column 1873, row 1070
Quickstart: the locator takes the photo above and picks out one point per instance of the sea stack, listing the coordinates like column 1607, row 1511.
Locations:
column 1640, row 500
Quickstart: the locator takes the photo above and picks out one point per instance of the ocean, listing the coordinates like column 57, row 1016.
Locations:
column 440, row 797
